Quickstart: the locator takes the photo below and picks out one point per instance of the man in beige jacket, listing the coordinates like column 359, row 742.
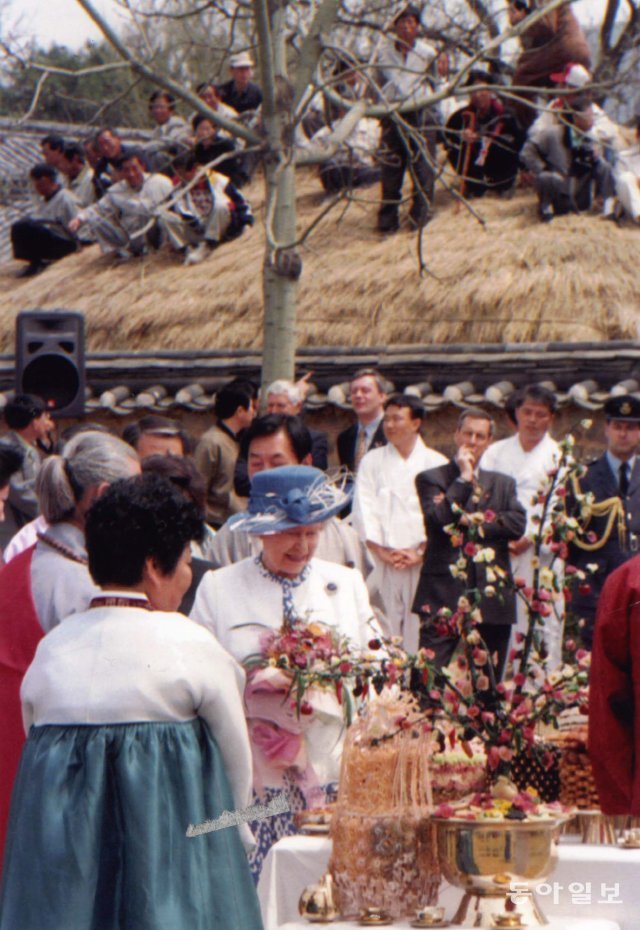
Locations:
column 217, row 451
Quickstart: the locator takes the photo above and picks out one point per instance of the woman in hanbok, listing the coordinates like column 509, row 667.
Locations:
column 246, row 603
column 136, row 732
column 48, row 581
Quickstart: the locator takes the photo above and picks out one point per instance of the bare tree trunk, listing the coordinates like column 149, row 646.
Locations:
column 282, row 268
column 282, row 264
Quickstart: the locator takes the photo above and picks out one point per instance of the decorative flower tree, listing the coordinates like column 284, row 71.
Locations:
column 505, row 716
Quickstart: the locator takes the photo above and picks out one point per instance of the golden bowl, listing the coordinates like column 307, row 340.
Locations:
column 494, row 861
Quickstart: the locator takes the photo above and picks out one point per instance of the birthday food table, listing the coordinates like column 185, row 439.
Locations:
column 591, row 887
column 454, row 785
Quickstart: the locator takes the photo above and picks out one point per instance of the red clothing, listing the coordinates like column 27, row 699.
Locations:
column 20, row 633
column 614, row 694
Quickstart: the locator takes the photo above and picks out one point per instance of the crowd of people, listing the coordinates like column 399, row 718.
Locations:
column 182, row 187
column 141, row 574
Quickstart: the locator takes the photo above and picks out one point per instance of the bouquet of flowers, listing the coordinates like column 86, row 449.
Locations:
column 313, row 657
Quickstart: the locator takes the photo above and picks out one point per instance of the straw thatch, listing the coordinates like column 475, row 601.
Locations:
column 513, row 280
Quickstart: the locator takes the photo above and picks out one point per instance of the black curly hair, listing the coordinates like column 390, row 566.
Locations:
column 10, row 461
column 136, row 519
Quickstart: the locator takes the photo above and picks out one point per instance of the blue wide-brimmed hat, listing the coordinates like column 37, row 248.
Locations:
column 288, row 497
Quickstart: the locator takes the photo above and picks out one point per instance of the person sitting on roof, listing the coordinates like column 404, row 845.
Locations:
column 223, row 151
column 208, row 94
column 112, row 149
column 172, row 133
column 576, row 80
column 100, row 177
column 355, row 163
column 211, row 207
column 240, row 92
column 567, row 164
column 483, row 140
column 52, row 147
column 79, row 175
column 130, row 219
column 46, row 236
column 627, row 177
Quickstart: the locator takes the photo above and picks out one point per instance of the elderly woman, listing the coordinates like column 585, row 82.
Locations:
column 136, row 731
column 42, row 585
column 281, row 587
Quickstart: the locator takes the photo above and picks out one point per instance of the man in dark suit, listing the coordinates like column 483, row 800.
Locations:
column 368, row 395
column 614, row 481
column 461, row 484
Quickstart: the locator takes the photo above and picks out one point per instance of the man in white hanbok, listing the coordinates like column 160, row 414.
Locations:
column 387, row 514
column 528, row 458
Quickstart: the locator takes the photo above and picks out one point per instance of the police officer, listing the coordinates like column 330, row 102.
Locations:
column 612, row 522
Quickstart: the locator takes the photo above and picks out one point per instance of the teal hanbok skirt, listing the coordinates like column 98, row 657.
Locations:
column 97, row 833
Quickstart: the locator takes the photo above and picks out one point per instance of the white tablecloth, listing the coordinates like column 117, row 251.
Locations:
column 560, row 923
column 595, row 874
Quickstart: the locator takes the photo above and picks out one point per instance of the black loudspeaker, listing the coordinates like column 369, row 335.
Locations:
column 50, row 359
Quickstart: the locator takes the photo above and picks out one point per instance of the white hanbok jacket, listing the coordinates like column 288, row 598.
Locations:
column 530, row 470
column 386, row 509
column 111, row 665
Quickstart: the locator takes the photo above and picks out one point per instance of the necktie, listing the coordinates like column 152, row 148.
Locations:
column 623, row 479
column 361, row 448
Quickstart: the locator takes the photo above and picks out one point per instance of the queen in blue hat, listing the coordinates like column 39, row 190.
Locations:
column 283, row 587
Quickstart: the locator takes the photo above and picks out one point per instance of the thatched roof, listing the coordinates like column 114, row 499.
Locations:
column 513, row 280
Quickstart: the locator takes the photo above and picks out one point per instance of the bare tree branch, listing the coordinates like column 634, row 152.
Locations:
column 172, row 86
column 35, row 98
column 313, row 47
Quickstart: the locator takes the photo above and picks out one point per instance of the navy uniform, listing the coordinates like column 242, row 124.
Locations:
column 614, row 517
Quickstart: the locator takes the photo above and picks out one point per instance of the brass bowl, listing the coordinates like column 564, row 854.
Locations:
column 494, row 861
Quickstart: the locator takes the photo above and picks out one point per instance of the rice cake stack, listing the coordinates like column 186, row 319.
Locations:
column 384, row 850
column 577, row 784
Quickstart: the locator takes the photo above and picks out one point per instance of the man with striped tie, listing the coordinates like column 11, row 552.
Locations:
column 368, row 395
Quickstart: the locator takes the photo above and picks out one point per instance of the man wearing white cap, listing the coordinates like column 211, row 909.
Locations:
column 567, row 164
column 240, row 92
column 576, row 80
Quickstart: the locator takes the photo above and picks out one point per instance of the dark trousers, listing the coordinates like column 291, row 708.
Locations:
column 337, row 178
column 34, row 241
column 495, row 635
column 413, row 149
column 565, row 195
column 498, row 173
